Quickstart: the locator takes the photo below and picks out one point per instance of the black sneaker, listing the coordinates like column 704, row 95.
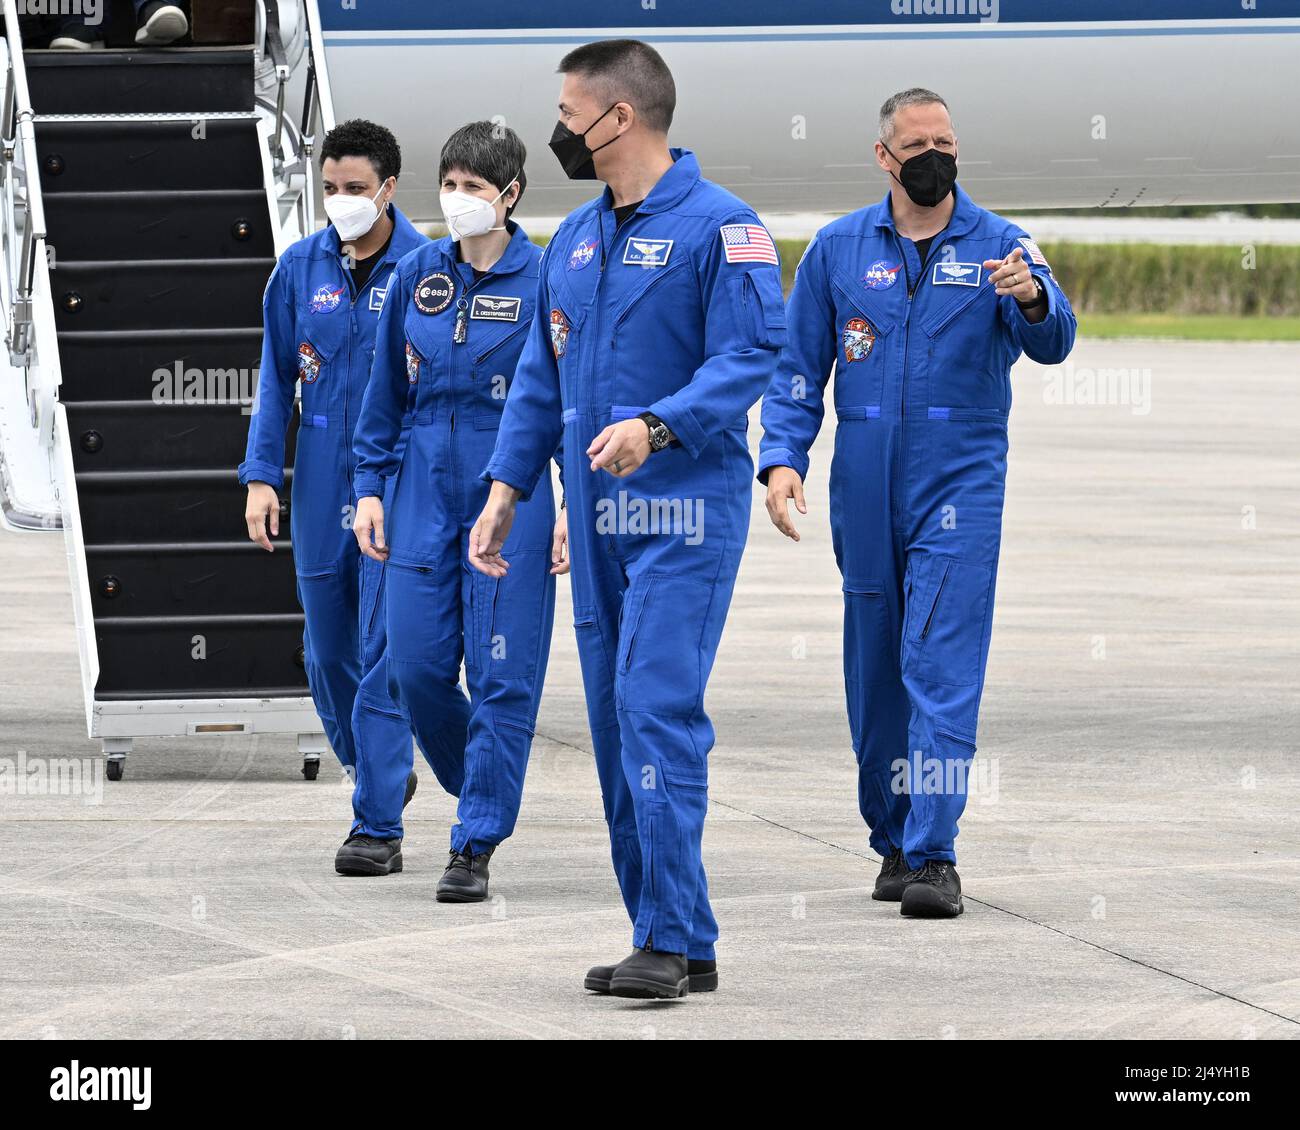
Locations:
column 160, row 23
column 649, row 974
column 411, row 782
column 889, row 883
column 702, row 976
column 366, row 855
column 466, row 876
column 933, row 890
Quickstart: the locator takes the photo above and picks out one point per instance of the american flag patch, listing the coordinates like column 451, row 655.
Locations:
column 748, row 243
column 1034, row 254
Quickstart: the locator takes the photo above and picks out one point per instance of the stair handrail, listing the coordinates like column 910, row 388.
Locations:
column 28, row 267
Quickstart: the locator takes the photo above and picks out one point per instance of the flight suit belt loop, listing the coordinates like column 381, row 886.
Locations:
column 617, row 412
column 336, row 419
column 873, row 412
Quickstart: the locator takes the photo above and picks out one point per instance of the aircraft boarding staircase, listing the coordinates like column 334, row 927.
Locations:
column 166, row 194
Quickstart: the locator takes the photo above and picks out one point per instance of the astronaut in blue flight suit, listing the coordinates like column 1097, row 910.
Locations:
column 922, row 303
column 320, row 312
column 659, row 320
column 455, row 320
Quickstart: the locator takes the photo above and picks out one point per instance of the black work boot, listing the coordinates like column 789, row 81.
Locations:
column 889, row 883
column 701, row 974
column 367, row 855
column 466, row 876
column 933, row 890
column 649, row 974
column 411, row 782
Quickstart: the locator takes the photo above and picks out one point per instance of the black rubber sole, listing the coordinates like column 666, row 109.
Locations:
column 922, row 902
column 697, row 982
column 367, row 867
column 459, row 896
column 888, row 894
column 648, row 990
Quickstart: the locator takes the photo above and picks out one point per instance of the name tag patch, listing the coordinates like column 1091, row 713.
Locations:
column 647, row 252
column 491, row 308
column 377, row 297
column 956, row 274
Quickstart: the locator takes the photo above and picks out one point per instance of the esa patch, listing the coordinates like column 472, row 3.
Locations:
column 309, row 363
column 559, row 333
column 433, row 293
column 582, row 255
column 956, row 274
column 490, row 308
column 647, row 252
column 858, row 338
column 881, row 276
column 377, row 298
column 325, row 299
column 1034, row 253
column 412, row 364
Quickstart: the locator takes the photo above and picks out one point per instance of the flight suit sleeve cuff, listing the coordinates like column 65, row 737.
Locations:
column 682, row 423
column 780, row 457
column 505, row 469
column 368, row 485
column 1047, row 303
column 255, row 471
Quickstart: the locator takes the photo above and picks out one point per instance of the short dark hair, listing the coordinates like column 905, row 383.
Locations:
column 489, row 150
column 628, row 70
column 360, row 138
column 913, row 96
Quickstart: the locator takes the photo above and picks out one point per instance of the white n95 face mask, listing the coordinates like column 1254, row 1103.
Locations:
column 468, row 216
column 352, row 216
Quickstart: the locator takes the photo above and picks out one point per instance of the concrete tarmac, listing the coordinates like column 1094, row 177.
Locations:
column 1131, row 858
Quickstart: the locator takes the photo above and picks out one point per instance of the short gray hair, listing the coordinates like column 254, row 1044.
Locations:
column 915, row 96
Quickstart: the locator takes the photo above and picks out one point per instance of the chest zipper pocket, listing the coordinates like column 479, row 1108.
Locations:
column 935, row 327
column 627, row 306
column 854, row 296
column 525, row 323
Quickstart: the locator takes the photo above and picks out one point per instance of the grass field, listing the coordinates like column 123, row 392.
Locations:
column 1190, row 327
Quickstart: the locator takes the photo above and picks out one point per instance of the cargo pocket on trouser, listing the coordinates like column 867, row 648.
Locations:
column 661, row 635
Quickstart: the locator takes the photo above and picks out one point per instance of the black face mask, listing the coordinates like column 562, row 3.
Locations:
column 574, row 155
column 928, row 177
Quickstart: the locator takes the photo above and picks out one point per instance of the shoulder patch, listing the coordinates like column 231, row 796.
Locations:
column 1034, row 253
column 748, row 243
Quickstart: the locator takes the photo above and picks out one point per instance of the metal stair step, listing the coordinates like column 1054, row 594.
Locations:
column 137, row 80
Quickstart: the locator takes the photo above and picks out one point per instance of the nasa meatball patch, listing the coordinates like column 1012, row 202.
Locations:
column 433, row 293
column 858, row 338
column 412, row 364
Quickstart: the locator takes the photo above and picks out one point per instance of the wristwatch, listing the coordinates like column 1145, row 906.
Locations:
column 660, row 436
column 1040, row 296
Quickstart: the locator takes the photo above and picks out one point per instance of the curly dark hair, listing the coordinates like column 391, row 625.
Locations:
column 360, row 138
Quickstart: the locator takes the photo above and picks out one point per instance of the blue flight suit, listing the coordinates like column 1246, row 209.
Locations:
column 445, row 357
column 922, row 355
column 676, row 311
column 315, row 330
